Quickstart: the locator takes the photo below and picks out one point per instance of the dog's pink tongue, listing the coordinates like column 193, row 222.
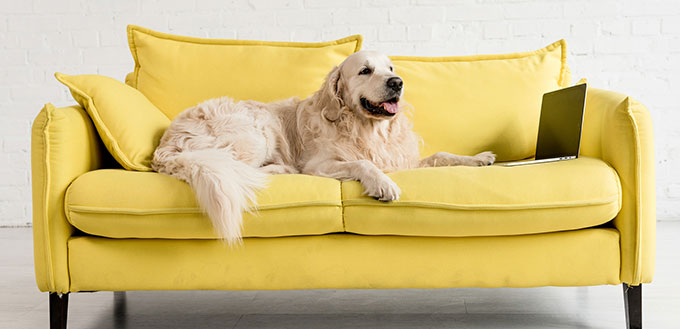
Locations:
column 391, row 107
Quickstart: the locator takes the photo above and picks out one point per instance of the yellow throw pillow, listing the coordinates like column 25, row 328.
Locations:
column 128, row 124
column 177, row 72
column 469, row 104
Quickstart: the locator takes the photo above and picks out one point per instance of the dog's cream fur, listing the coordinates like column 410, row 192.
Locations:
column 225, row 149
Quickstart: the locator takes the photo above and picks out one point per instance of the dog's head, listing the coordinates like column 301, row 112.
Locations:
column 366, row 84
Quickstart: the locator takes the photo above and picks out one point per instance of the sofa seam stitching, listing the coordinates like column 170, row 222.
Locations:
column 342, row 210
column 637, row 274
column 563, row 63
column 133, row 50
column 46, row 181
column 157, row 211
column 477, row 58
column 239, row 42
column 599, row 202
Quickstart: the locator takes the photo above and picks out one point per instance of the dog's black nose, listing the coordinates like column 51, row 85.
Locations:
column 395, row 83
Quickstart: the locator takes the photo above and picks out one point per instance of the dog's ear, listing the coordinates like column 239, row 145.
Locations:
column 332, row 89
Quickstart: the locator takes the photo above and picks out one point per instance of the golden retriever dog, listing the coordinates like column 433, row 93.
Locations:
column 352, row 128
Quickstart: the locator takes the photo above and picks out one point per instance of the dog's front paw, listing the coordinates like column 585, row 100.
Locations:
column 382, row 188
column 484, row 159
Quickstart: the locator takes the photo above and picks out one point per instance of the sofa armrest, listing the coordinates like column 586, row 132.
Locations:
column 64, row 145
column 618, row 130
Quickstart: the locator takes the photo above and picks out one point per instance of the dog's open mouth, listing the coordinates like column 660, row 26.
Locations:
column 389, row 107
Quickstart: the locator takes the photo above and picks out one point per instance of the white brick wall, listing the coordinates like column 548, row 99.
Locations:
column 627, row 46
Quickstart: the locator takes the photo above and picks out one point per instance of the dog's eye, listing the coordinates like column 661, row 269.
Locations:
column 366, row 70
column 391, row 69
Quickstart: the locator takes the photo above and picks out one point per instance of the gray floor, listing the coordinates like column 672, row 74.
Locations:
column 23, row 306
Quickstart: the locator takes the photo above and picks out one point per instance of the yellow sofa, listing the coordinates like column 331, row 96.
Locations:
column 590, row 221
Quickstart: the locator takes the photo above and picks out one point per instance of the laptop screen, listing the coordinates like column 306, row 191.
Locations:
column 559, row 130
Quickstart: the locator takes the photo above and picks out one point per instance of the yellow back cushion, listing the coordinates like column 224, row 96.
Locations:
column 177, row 72
column 469, row 104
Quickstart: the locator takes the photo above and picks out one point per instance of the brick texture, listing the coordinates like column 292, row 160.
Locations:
column 628, row 46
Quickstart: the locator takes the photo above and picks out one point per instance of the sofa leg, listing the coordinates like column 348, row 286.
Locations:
column 58, row 310
column 632, row 300
column 119, row 309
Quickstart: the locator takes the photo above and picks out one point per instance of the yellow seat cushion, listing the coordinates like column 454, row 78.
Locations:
column 128, row 124
column 177, row 72
column 126, row 204
column 470, row 104
column 489, row 201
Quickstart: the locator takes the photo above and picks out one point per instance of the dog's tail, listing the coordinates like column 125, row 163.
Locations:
column 224, row 186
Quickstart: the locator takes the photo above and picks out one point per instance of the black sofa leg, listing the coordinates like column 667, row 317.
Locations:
column 58, row 310
column 632, row 300
column 119, row 309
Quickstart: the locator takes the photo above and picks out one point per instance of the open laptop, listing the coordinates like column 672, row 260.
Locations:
column 559, row 129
